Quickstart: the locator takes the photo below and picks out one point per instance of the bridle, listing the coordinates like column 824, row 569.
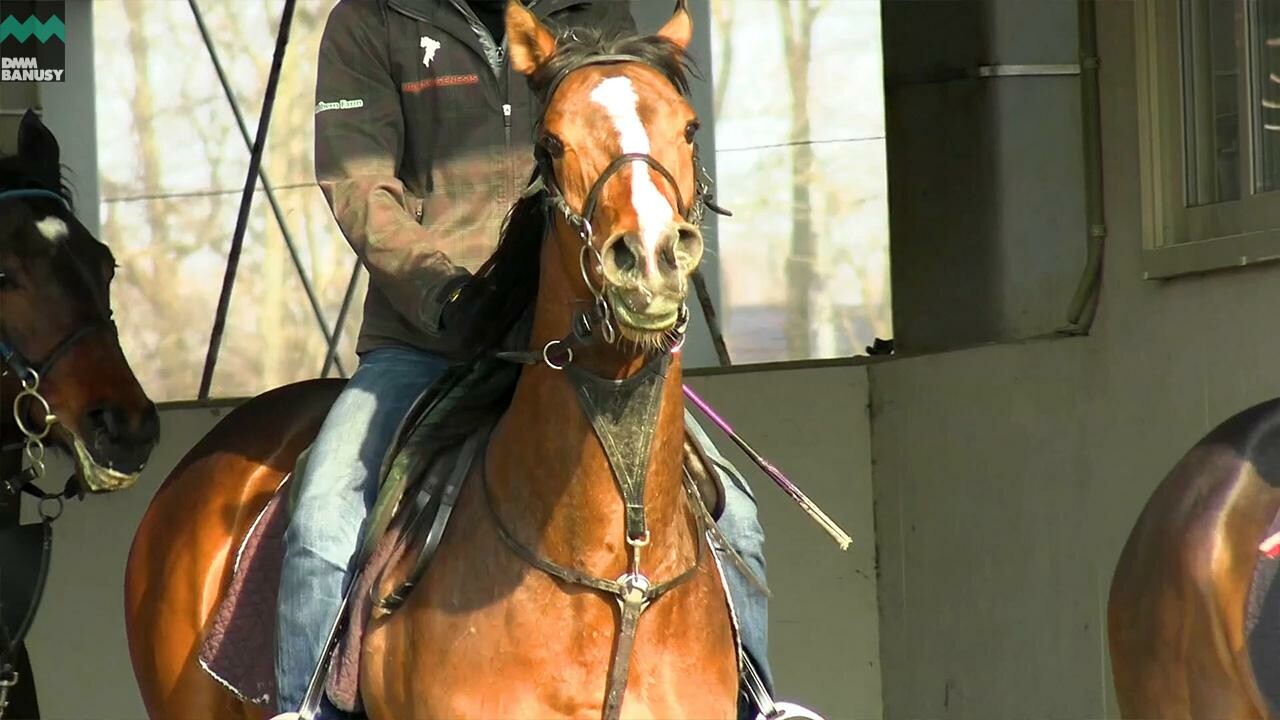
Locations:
column 623, row 413
column 545, row 181
column 29, row 374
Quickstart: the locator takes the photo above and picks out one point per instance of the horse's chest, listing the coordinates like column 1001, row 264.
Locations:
column 486, row 637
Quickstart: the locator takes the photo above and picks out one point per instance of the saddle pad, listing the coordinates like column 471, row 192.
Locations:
column 1262, row 619
column 239, row 649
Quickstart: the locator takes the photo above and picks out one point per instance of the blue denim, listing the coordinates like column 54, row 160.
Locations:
column 338, row 487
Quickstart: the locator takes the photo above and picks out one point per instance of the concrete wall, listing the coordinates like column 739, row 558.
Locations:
column 986, row 188
column 824, row 644
column 1008, row 477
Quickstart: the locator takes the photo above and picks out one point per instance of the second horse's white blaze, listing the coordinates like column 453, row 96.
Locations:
column 619, row 99
column 53, row 229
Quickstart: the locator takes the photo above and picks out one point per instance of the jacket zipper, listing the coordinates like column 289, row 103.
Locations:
column 495, row 56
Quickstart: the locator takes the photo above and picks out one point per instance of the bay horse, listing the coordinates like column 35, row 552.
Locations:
column 1180, row 597
column 64, row 381
column 518, row 613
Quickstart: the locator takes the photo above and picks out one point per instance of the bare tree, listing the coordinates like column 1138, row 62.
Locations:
column 798, row 17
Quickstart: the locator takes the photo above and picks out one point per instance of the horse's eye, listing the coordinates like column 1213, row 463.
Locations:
column 691, row 131
column 6, row 282
column 553, row 146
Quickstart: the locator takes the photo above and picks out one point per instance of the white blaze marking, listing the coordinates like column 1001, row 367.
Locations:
column 53, row 228
column 618, row 98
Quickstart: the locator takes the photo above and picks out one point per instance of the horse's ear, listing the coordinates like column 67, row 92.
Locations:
column 37, row 146
column 679, row 29
column 531, row 44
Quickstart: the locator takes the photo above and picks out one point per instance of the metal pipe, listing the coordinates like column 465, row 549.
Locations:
column 246, row 199
column 331, row 355
column 1084, row 305
column 1026, row 70
column 266, row 183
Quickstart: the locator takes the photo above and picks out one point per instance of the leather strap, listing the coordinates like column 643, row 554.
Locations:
column 623, row 414
column 448, row 498
column 632, row 591
column 11, row 639
column 629, row 607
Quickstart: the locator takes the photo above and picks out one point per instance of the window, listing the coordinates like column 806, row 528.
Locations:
column 804, row 262
column 1211, row 133
column 172, row 167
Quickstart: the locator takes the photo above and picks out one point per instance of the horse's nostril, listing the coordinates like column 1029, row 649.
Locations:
column 689, row 244
column 623, row 257
column 101, row 419
column 108, row 421
column 669, row 257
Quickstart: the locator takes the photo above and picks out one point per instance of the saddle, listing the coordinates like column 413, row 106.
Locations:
column 421, row 475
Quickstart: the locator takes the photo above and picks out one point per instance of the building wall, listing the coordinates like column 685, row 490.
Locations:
column 986, row 181
column 1007, row 477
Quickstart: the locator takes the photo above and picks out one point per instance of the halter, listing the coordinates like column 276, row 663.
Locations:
column 29, row 374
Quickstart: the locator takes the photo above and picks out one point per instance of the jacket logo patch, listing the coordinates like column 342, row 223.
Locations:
column 339, row 105
column 429, row 48
column 418, row 86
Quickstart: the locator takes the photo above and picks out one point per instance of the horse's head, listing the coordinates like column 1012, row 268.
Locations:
column 616, row 148
column 56, row 332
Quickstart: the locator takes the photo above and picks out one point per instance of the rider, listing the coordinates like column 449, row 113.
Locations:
column 423, row 141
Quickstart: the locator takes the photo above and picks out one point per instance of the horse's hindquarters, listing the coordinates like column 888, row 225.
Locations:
column 1178, row 595
column 184, row 550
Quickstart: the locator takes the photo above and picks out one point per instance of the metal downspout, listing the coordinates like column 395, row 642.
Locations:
column 1084, row 305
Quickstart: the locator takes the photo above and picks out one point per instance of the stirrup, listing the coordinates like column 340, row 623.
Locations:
column 768, row 709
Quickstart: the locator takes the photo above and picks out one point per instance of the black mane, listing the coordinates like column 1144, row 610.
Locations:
column 579, row 46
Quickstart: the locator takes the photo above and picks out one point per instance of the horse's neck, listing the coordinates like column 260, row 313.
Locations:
column 552, row 481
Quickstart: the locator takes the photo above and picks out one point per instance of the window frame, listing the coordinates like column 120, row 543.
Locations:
column 1179, row 239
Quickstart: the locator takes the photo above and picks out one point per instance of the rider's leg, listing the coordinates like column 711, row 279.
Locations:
column 334, row 495
column 741, row 527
